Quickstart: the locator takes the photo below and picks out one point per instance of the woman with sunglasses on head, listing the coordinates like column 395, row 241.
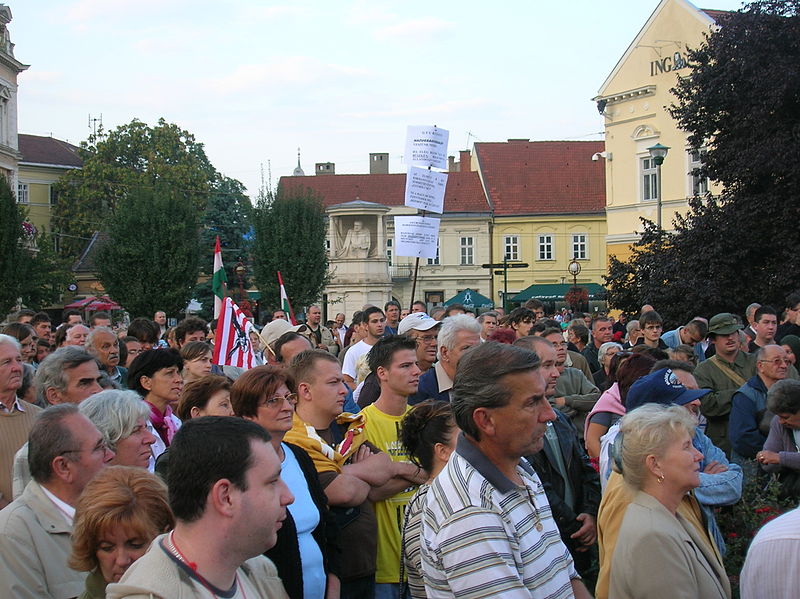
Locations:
column 306, row 541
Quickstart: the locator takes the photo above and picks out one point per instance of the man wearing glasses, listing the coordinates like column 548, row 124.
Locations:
column 425, row 331
column 66, row 451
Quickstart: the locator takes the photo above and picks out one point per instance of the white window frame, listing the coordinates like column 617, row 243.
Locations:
column 389, row 251
column 697, row 185
column 545, row 247
column 649, row 179
column 23, row 193
column 511, row 247
column 580, row 246
column 435, row 261
column 467, row 251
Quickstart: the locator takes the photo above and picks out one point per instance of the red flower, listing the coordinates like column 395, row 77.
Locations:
column 732, row 535
column 765, row 510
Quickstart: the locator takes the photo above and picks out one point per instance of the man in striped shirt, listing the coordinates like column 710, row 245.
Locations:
column 487, row 528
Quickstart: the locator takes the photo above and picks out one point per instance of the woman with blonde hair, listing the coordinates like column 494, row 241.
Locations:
column 117, row 516
column 658, row 553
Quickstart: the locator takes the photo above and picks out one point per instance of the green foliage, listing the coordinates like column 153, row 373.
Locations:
column 290, row 237
column 741, row 102
column 740, row 522
column 228, row 214
column 150, row 259
column 131, row 157
column 44, row 276
column 11, row 254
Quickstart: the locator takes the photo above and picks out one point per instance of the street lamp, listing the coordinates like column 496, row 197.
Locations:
column 658, row 153
column 574, row 269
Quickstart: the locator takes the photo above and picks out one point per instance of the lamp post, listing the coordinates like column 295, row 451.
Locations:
column 658, row 153
column 574, row 269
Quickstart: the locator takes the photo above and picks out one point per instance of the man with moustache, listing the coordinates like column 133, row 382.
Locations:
column 103, row 344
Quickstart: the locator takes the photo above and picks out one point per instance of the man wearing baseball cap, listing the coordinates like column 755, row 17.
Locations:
column 425, row 331
column 727, row 370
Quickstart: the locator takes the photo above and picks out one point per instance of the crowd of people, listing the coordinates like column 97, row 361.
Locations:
column 428, row 453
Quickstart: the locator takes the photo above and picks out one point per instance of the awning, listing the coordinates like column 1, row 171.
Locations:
column 93, row 303
column 557, row 291
column 470, row 299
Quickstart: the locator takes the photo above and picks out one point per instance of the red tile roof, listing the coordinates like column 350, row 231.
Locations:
column 543, row 177
column 48, row 150
column 716, row 14
column 463, row 194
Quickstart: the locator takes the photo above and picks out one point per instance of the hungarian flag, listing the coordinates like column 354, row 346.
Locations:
column 285, row 305
column 218, row 280
column 232, row 345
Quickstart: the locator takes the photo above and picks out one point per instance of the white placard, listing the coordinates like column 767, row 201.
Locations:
column 416, row 236
column 425, row 189
column 426, row 146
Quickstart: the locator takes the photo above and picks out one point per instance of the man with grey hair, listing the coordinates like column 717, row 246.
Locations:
column 67, row 376
column 750, row 315
column 103, row 344
column 16, row 416
column 66, row 451
column 488, row 322
column 500, row 405
column 457, row 334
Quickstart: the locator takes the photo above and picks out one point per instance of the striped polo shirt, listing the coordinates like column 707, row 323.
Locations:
column 484, row 536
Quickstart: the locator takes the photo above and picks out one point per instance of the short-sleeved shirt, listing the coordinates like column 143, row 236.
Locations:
column 349, row 366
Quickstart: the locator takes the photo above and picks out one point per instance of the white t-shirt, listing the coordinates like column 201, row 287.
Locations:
column 351, row 358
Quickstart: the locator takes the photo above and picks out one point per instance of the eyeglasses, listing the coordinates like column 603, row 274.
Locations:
column 777, row 361
column 427, row 338
column 102, row 445
column 278, row 400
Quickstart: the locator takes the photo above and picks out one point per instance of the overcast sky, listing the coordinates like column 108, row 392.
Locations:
column 255, row 80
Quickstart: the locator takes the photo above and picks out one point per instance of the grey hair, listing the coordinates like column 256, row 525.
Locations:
column 451, row 326
column 93, row 333
column 603, row 349
column 9, row 340
column 649, row 430
column 784, row 397
column 531, row 342
column 115, row 413
column 485, row 315
column 479, row 380
column 52, row 372
column 632, row 324
column 48, row 439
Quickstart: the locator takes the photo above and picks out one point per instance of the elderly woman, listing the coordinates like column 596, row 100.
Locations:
column 117, row 516
column 27, row 338
column 121, row 416
column 156, row 375
column 196, row 357
column 658, row 553
column 791, row 345
column 305, row 540
column 604, row 354
column 780, row 454
column 429, row 434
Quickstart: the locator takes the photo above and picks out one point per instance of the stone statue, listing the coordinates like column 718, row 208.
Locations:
column 357, row 242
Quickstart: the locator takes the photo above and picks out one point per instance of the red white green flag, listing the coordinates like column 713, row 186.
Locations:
column 232, row 345
column 285, row 305
column 219, row 280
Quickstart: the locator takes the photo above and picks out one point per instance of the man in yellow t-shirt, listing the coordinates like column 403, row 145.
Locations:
column 394, row 362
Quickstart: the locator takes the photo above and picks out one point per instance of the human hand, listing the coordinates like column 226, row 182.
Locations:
column 768, row 457
column 715, row 468
column 587, row 533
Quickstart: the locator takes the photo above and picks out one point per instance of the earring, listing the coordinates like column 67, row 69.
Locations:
column 660, row 479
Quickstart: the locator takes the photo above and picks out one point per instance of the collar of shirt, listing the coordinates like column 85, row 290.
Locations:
column 472, row 454
column 66, row 510
column 445, row 382
column 15, row 407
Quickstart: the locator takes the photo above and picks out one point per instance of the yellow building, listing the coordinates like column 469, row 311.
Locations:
column 547, row 200
column 634, row 101
column 43, row 161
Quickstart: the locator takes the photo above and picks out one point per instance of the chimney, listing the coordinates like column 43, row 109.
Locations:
column 379, row 163
column 464, row 161
column 451, row 164
column 324, row 168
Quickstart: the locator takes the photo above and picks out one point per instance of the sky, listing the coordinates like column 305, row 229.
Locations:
column 255, row 80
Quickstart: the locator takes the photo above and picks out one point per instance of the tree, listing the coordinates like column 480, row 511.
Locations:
column 149, row 261
column 290, row 237
column 228, row 214
column 741, row 103
column 115, row 164
column 11, row 253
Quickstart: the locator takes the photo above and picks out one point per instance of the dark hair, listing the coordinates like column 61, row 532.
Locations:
column 303, row 365
column 764, row 310
column 650, row 317
column 551, row 331
column 478, row 381
column 19, row 330
column 394, row 303
column 654, row 352
column 425, row 425
column 194, row 349
column 48, row 439
column 792, row 299
column 699, row 326
column 673, row 365
column 190, row 325
column 253, row 386
column 148, row 363
column 61, row 334
column 448, row 310
column 517, row 315
column 144, row 329
column 420, row 303
column 580, row 330
column 204, row 451
column 533, row 304
column 197, row 393
column 71, row 312
column 99, row 316
column 287, row 337
column 631, row 370
column 40, row 317
column 382, row 353
column 370, row 311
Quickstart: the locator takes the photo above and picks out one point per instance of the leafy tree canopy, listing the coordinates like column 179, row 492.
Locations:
column 150, row 259
column 742, row 103
column 115, row 164
column 290, row 237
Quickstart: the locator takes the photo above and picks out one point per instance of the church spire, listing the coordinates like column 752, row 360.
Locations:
column 298, row 172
